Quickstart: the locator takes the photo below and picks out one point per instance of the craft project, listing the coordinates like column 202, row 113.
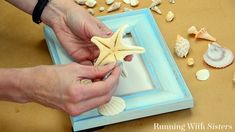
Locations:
column 170, row 16
column 203, row 74
column 154, row 84
column 182, row 46
column 114, row 6
column 202, row 33
column 217, row 56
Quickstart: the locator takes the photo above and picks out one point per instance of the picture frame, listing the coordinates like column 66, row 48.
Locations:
column 169, row 92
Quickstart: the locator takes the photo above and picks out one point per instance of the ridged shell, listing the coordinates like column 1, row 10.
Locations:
column 113, row 107
column 203, row 34
column 182, row 46
column 217, row 56
column 203, row 74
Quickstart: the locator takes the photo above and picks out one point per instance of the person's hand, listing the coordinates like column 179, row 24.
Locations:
column 60, row 86
column 74, row 28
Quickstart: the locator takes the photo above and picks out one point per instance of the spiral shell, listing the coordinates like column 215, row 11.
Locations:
column 182, row 46
column 217, row 56
column 113, row 107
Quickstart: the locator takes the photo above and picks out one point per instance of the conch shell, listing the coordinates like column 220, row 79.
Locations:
column 202, row 33
column 170, row 16
column 90, row 3
column 156, row 9
column 114, row 6
column 182, row 46
column 217, row 56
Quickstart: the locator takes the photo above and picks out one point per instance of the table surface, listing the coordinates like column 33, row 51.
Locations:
column 22, row 44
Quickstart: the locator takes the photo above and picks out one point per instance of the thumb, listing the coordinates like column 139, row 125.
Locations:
column 96, row 72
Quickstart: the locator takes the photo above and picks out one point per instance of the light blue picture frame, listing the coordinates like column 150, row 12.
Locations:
column 170, row 93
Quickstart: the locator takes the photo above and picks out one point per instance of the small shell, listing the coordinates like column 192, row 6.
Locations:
column 101, row 9
column 113, row 107
column 156, row 9
column 203, row 74
column 134, row 2
column 217, row 56
column 170, row 16
column 109, row 2
column 182, row 46
column 190, row 61
column 192, row 30
column 114, row 6
column 91, row 11
column 234, row 77
column 81, row 2
column 125, row 9
column 203, row 34
column 156, row 2
column 90, row 3
column 172, row 1
column 85, row 81
column 126, row 1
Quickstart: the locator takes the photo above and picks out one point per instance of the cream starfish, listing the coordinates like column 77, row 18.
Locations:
column 112, row 49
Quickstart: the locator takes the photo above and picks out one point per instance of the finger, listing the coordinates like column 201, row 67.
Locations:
column 128, row 58
column 85, row 53
column 86, row 62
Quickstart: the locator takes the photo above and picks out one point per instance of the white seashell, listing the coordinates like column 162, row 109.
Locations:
column 190, row 61
column 109, row 2
column 234, row 77
column 217, row 56
column 114, row 6
column 192, row 30
column 156, row 9
column 113, row 107
column 126, row 1
column 91, row 11
column 156, row 2
column 203, row 74
column 101, row 9
column 81, row 2
column 172, row 1
column 134, row 2
column 170, row 16
column 182, row 46
column 203, row 34
column 90, row 3
column 125, row 9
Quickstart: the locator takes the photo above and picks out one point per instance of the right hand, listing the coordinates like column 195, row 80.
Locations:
column 60, row 87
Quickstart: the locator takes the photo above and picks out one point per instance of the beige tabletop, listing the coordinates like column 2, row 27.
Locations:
column 22, row 44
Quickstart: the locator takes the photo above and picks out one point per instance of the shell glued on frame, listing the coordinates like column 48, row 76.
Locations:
column 80, row 2
column 90, row 3
column 170, row 16
column 217, row 56
column 113, row 107
column 109, row 2
column 203, row 74
column 182, row 46
column 114, row 6
column 202, row 33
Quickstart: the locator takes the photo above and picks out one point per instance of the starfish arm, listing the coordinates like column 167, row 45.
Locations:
column 122, row 53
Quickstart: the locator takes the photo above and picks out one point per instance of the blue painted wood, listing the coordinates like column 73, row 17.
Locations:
column 170, row 93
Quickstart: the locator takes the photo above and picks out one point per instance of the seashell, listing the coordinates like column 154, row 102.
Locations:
column 156, row 9
column 91, row 11
column 125, row 9
column 190, row 61
column 80, row 2
column 156, row 2
column 170, row 16
column 182, row 46
column 126, row 1
column 114, row 6
column 192, row 30
column 172, row 1
column 203, row 34
column 234, row 77
column 113, row 107
column 134, row 2
column 90, row 3
column 203, row 74
column 85, row 81
column 217, row 56
column 101, row 9
column 109, row 2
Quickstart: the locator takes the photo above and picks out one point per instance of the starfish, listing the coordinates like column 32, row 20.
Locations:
column 112, row 49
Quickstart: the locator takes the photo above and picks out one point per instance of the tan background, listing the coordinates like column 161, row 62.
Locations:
column 22, row 45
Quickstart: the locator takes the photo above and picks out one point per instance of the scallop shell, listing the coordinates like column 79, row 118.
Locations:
column 217, row 56
column 80, row 2
column 91, row 11
column 190, row 61
column 101, row 9
column 192, row 30
column 113, row 107
column 90, row 3
column 203, row 34
column 126, row 1
column 156, row 9
column 134, row 2
column 172, row 1
column 203, row 74
column 182, row 46
column 156, row 2
column 109, row 2
column 114, row 6
column 170, row 16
